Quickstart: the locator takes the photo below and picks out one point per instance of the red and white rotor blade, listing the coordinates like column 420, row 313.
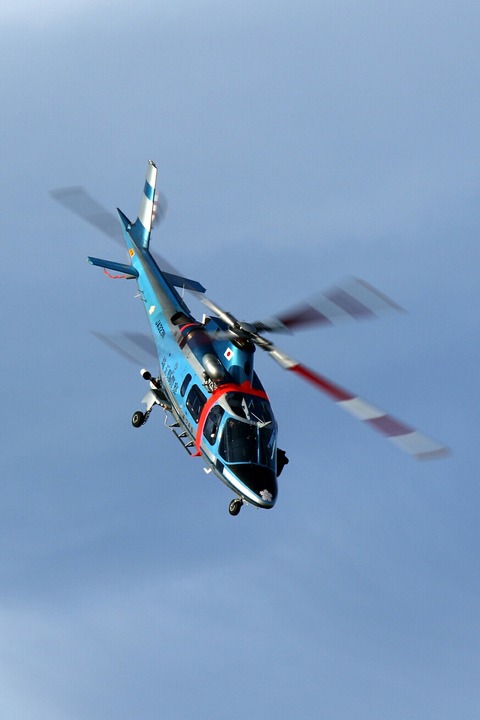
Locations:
column 414, row 442
column 352, row 299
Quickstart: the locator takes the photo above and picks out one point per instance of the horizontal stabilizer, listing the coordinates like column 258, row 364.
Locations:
column 183, row 282
column 127, row 270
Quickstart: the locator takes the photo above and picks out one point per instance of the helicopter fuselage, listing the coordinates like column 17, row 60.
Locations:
column 207, row 382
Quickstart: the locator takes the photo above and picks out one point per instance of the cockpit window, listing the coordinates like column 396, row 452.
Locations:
column 245, row 442
column 239, row 442
column 212, row 423
column 268, row 450
column 250, row 407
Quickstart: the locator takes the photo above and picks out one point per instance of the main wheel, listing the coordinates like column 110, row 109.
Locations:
column 138, row 418
column 235, row 506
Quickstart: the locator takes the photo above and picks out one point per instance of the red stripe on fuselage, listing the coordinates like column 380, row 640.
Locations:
column 183, row 339
column 245, row 388
column 192, row 324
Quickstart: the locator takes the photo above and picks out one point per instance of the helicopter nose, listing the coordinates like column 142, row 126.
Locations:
column 261, row 480
column 267, row 497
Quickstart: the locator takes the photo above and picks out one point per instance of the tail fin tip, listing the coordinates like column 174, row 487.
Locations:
column 143, row 225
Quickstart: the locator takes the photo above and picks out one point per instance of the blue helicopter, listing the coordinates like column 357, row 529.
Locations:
column 214, row 401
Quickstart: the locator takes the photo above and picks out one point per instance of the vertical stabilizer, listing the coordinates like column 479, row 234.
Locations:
column 142, row 227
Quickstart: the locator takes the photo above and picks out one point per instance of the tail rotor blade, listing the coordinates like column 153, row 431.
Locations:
column 160, row 207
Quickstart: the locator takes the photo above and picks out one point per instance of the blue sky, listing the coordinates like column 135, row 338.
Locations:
column 297, row 143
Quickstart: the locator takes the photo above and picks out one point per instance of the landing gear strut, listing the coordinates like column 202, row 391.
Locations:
column 235, row 506
column 155, row 396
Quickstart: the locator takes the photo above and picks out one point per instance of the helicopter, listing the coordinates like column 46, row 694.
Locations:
column 214, row 401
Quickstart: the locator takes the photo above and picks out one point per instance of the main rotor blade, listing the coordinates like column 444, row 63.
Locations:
column 414, row 442
column 132, row 346
column 353, row 299
column 222, row 314
column 77, row 200
column 80, row 203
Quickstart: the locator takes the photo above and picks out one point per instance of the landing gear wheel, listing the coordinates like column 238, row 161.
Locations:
column 235, row 506
column 138, row 418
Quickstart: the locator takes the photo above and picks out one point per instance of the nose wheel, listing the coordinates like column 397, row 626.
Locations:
column 138, row 418
column 235, row 506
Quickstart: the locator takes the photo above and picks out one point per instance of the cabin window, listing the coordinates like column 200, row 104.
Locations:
column 185, row 384
column 212, row 423
column 195, row 402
